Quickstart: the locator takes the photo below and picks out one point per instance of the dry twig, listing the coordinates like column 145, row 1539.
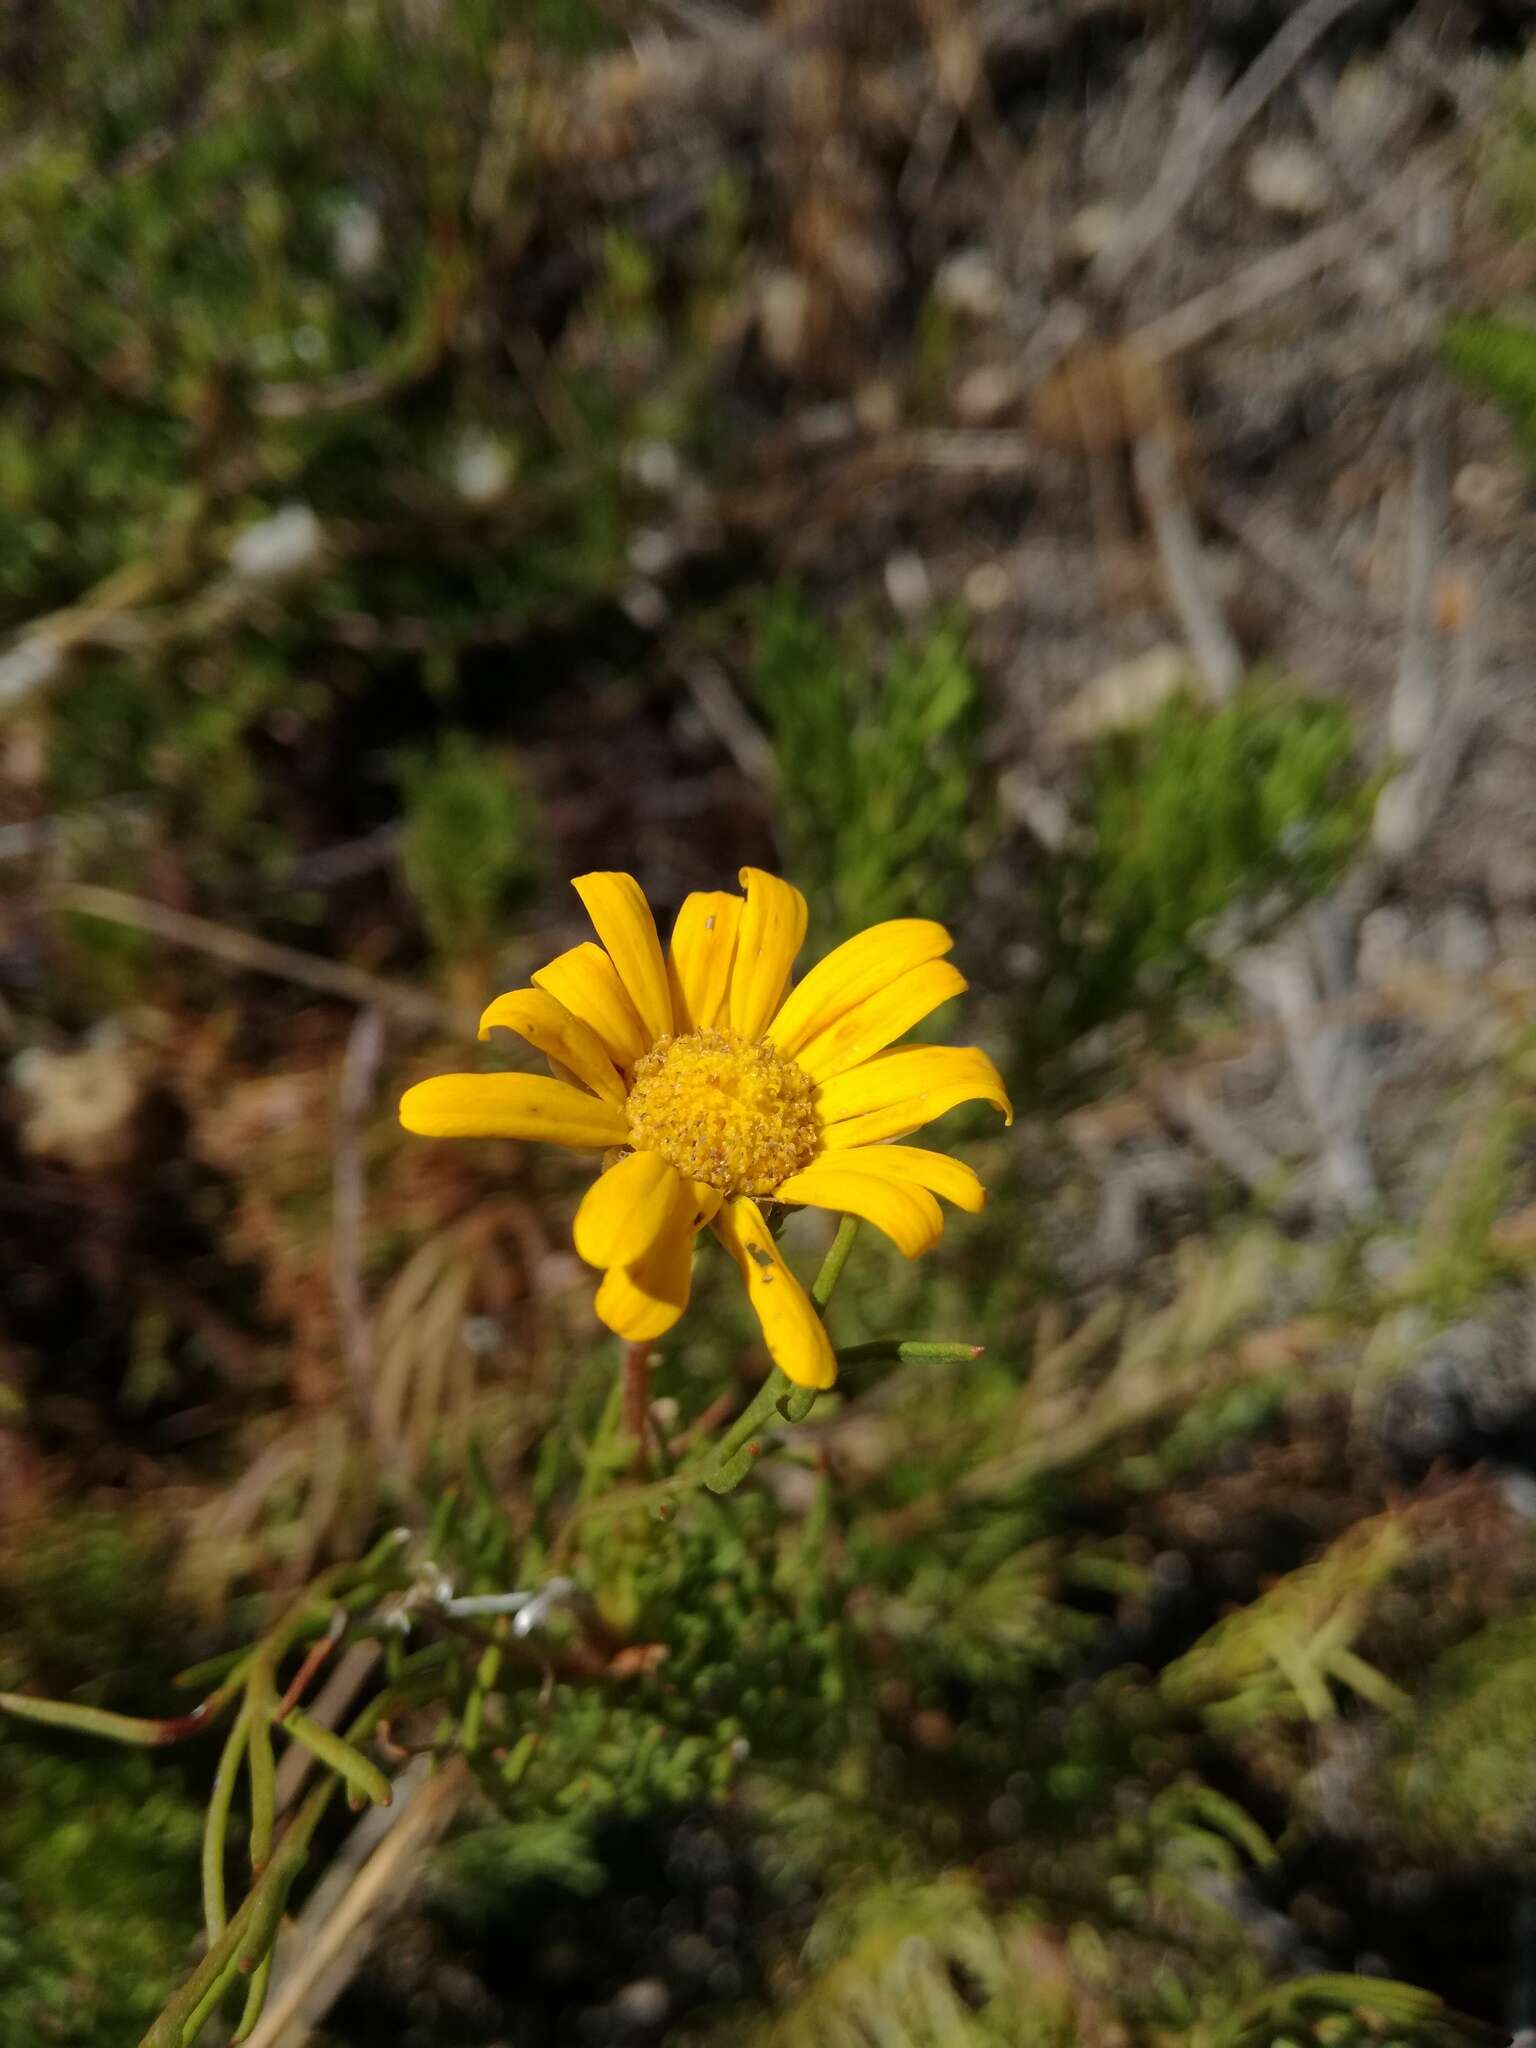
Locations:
column 261, row 956
column 1413, row 799
column 1184, row 168
column 1292, row 980
column 1217, row 654
column 1412, row 715
column 1271, row 277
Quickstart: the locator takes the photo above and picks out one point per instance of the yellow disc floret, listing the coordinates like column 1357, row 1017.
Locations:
column 737, row 1116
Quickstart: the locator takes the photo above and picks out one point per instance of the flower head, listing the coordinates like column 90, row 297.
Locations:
column 711, row 1085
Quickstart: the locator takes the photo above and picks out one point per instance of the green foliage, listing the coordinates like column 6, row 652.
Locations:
column 471, row 852
column 99, row 1854
column 1283, row 1654
column 1204, row 829
column 480, row 1872
column 929, row 1964
column 242, row 252
column 152, row 282
column 917, row 1966
column 892, row 1623
column 1509, row 149
column 994, row 1620
column 1495, row 351
column 1497, row 356
column 1461, row 1264
column 878, row 801
column 748, row 1661
column 176, row 743
column 1338, row 2011
column 934, row 368
column 82, row 1608
column 575, row 28
column 1463, row 1780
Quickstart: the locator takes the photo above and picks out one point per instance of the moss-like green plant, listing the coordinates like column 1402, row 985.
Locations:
column 82, row 1605
column 98, row 1851
column 917, row 1965
column 1284, row 1654
column 471, row 849
column 1497, row 356
column 879, row 805
column 192, row 188
column 1509, row 149
column 1463, row 1781
column 100, row 1888
column 1203, row 829
column 1494, row 351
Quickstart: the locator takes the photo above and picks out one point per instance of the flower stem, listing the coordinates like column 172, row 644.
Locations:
column 832, row 1265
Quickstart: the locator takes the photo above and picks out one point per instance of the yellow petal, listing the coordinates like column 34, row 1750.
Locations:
column 796, row 1340
column 913, row 1166
column 908, row 1214
column 535, row 1015
column 643, row 1301
column 626, row 1209
column 903, row 1090
column 772, row 926
column 851, row 972
column 871, row 1025
column 706, row 1203
column 622, row 919
column 699, row 964
column 511, row 1106
column 586, row 981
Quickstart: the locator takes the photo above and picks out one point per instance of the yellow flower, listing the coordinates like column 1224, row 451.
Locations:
column 711, row 1084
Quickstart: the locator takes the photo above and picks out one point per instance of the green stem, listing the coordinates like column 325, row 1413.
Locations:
column 261, row 1694
column 832, row 1265
column 260, row 1908
column 623, row 1500
column 210, row 2001
column 248, row 1936
column 736, row 1453
column 255, row 1998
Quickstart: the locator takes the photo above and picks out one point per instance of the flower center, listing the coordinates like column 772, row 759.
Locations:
column 737, row 1116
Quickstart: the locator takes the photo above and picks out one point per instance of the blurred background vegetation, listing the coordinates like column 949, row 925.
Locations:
column 1058, row 469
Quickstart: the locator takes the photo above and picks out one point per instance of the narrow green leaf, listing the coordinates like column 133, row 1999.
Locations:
column 216, row 1826
column 262, row 1768
column 909, row 1351
column 349, row 1764
column 144, row 1734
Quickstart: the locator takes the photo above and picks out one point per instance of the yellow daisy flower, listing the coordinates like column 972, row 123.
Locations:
column 712, row 1085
